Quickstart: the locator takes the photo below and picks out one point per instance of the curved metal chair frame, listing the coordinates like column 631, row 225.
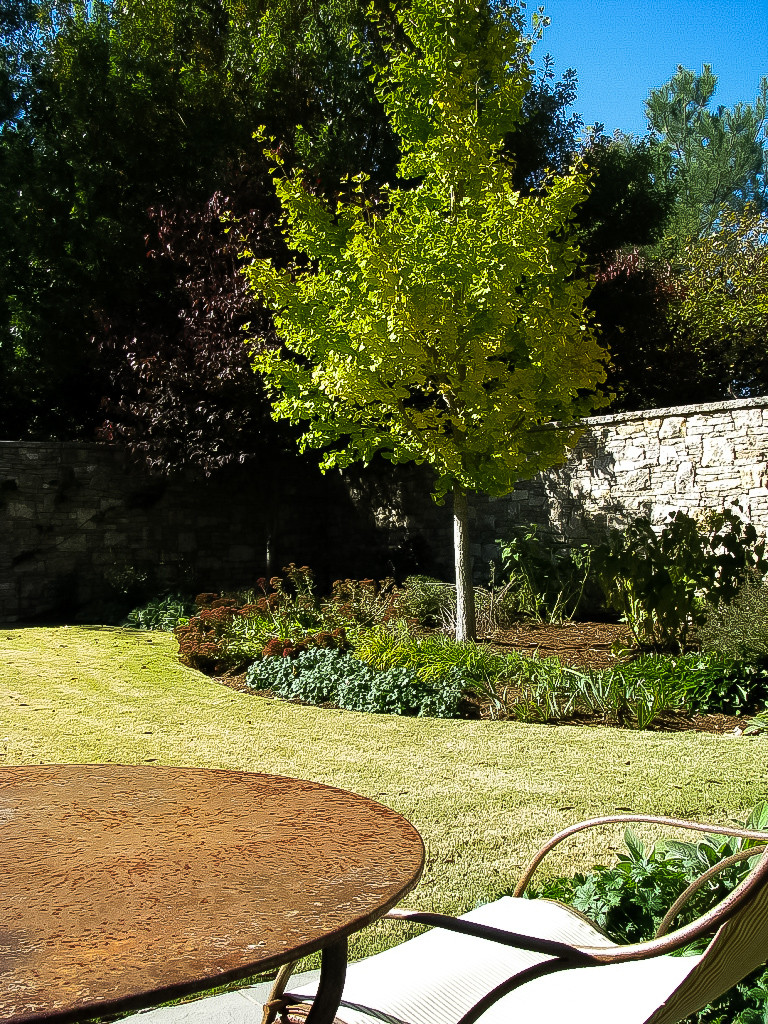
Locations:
column 562, row 956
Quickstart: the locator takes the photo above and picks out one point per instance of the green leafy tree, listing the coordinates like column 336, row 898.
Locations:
column 723, row 301
column 544, row 140
column 681, row 321
column 442, row 322
column 715, row 158
column 629, row 203
column 110, row 110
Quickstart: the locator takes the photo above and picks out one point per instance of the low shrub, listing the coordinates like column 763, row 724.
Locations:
column 162, row 613
column 432, row 603
column 323, row 676
column 425, row 599
column 661, row 582
column 249, row 632
column 739, row 629
column 327, row 641
column 629, row 901
column 362, row 602
column 202, row 639
column 548, row 581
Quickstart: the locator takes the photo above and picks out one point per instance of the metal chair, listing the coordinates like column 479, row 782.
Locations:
column 522, row 960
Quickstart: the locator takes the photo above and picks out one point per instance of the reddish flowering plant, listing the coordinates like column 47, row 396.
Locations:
column 280, row 648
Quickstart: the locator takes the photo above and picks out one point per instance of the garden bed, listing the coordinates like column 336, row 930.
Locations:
column 578, row 644
column 594, row 645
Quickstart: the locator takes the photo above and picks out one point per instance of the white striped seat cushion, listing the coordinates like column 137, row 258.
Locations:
column 436, row 977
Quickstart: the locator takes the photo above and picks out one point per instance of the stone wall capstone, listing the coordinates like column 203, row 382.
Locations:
column 80, row 521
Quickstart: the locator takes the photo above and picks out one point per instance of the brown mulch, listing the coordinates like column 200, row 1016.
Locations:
column 578, row 645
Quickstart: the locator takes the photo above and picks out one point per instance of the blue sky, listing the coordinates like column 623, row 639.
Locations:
column 623, row 48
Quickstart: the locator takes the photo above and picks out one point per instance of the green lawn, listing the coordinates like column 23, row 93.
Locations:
column 482, row 794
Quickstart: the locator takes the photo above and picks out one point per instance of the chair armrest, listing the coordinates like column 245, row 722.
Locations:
column 694, row 887
column 704, row 926
column 613, row 819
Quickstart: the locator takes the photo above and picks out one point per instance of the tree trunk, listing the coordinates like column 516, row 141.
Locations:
column 465, row 594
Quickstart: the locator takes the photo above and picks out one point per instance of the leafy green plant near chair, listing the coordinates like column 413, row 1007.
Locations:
column 629, row 900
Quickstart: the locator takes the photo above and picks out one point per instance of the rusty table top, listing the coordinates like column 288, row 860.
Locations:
column 124, row 886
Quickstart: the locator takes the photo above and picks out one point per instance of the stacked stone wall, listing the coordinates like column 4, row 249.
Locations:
column 84, row 530
column 654, row 463
column 81, row 524
column 689, row 458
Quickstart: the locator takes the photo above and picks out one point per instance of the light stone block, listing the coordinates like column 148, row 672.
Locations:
column 669, row 454
column 753, row 476
column 672, row 427
column 717, row 451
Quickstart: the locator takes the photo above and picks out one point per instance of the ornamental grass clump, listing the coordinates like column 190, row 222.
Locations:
column 639, row 693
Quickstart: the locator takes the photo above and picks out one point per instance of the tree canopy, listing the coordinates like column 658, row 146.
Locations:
column 723, row 300
column 679, row 319
column 441, row 321
column 114, row 110
column 716, row 158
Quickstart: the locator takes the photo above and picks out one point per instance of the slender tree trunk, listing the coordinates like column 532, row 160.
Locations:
column 465, row 594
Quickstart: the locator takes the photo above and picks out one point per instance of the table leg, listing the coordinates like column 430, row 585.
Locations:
column 333, row 970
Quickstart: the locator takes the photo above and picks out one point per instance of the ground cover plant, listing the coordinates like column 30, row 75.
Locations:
column 483, row 794
column 323, row 676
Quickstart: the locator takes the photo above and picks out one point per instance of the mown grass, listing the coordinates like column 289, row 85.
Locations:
column 484, row 795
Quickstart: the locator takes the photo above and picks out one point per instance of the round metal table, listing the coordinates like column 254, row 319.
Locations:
column 124, row 886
